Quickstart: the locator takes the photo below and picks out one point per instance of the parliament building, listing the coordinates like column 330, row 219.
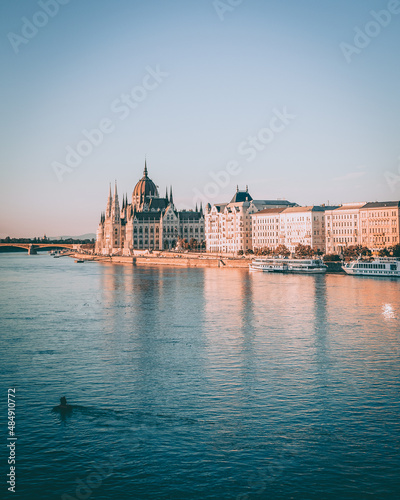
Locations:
column 149, row 222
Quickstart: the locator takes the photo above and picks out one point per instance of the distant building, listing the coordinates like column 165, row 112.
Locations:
column 228, row 226
column 149, row 222
column 342, row 227
column 379, row 224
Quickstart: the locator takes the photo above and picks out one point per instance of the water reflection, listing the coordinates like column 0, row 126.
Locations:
column 213, row 381
column 388, row 311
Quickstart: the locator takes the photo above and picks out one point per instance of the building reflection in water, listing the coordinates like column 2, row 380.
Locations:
column 241, row 340
column 153, row 326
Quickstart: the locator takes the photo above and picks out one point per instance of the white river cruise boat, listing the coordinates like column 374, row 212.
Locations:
column 383, row 266
column 280, row 265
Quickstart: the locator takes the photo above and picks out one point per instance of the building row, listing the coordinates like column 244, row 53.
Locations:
column 245, row 224
column 150, row 222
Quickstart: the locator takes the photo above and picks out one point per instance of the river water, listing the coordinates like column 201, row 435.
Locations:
column 198, row 383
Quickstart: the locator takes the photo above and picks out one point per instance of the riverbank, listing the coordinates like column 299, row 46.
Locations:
column 176, row 260
column 184, row 260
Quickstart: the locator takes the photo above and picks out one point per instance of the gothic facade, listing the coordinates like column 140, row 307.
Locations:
column 149, row 222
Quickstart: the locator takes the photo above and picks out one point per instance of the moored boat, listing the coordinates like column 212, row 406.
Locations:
column 281, row 265
column 382, row 266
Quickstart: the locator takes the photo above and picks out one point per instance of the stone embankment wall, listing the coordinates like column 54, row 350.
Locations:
column 183, row 260
column 179, row 260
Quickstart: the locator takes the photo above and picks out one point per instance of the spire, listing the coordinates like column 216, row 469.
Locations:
column 145, row 168
column 109, row 203
column 196, row 208
column 237, row 188
column 115, row 212
column 201, row 207
column 166, row 194
column 171, row 199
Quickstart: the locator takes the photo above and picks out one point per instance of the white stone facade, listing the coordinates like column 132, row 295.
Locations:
column 228, row 226
column 303, row 225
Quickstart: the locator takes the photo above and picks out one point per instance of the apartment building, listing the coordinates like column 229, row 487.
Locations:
column 342, row 227
column 379, row 225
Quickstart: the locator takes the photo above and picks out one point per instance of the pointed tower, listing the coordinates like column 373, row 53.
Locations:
column 115, row 211
column 196, row 208
column 109, row 204
column 166, row 194
column 171, row 199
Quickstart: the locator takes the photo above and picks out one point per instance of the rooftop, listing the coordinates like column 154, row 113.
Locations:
column 382, row 204
column 267, row 211
column 310, row 208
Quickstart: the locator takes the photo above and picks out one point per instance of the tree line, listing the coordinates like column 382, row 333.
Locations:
column 306, row 251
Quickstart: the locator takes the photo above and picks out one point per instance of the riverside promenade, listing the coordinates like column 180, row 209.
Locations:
column 175, row 259
column 170, row 259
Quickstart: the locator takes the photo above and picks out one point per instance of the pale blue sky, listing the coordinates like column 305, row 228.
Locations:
column 226, row 80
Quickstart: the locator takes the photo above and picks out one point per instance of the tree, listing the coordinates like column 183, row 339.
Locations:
column 249, row 251
column 183, row 244
column 266, row 251
column 355, row 251
column 303, row 251
column 331, row 257
column 395, row 249
column 384, row 252
column 240, row 252
column 282, row 250
column 192, row 244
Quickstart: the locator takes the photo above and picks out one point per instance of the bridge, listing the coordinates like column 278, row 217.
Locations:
column 32, row 248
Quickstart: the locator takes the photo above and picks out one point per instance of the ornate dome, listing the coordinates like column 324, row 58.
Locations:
column 145, row 187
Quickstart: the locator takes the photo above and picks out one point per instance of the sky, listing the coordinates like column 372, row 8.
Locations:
column 297, row 100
